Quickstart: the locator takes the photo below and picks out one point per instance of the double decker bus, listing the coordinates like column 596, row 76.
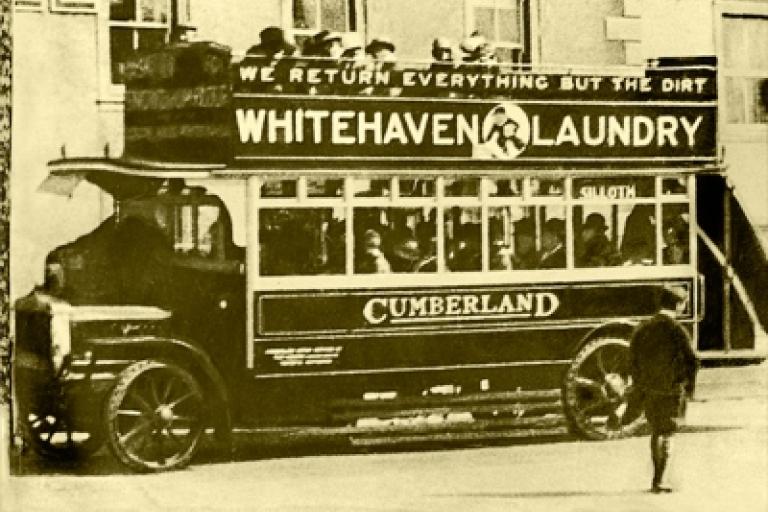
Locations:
column 387, row 255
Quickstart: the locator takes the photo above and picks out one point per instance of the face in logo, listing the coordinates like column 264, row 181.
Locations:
column 506, row 131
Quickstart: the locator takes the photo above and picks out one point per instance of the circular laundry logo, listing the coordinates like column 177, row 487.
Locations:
column 506, row 131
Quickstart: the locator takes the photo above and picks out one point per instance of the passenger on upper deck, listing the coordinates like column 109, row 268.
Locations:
column 479, row 57
column 325, row 49
column 272, row 47
column 383, row 60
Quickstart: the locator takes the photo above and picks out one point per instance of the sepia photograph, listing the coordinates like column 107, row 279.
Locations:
column 384, row 255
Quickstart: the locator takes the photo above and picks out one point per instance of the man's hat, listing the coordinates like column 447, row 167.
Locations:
column 556, row 226
column 674, row 292
column 525, row 226
column 379, row 43
column 595, row 221
column 326, row 36
column 273, row 39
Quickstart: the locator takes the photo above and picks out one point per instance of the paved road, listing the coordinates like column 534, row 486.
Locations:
column 721, row 465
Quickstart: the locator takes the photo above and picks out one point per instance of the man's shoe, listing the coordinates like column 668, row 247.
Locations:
column 660, row 489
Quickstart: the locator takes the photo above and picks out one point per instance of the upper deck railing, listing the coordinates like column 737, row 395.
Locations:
column 198, row 103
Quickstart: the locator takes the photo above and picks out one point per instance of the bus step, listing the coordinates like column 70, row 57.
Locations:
column 437, row 400
column 500, row 409
column 458, row 436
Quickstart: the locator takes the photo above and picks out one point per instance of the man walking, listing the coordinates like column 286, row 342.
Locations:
column 664, row 372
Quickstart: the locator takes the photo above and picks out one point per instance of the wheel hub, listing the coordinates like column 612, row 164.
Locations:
column 165, row 413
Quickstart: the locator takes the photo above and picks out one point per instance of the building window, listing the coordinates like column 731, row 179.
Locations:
column 501, row 22
column 311, row 16
column 136, row 25
column 745, row 68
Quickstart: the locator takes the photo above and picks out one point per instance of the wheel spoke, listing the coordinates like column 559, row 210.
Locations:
column 130, row 412
column 153, row 391
column 135, row 431
column 189, row 419
column 148, row 409
column 168, row 388
column 586, row 382
column 595, row 404
column 183, row 398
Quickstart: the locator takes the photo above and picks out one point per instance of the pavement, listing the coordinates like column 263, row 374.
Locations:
column 720, row 464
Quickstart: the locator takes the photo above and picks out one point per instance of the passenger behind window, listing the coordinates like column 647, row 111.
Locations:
column 501, row 254
column 638, row 246
column 427, row 239
column 596, row 249
column 553, row 244
column 525, row 256
column 466, row 254
column 371, row 260
column 675, row 250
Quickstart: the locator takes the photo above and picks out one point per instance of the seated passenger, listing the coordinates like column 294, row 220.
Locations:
column 596, row 249
column 501, row 257
column 675, row 250
column 552, row 244
column 270, row 52
column 467, row 255
column 326, row 48
column 372, row 260
column 525, row 245
column 639, row 240
column 405, row 255
column 383, row 60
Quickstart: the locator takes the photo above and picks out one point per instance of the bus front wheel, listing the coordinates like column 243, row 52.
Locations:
column 155, row 416
column 597, row 391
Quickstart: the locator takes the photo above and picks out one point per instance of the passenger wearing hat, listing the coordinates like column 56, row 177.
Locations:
column 272, row 45
column 553, row 244
column 372, row 260
column 525, row 256
column 324, row 44
column 478, row 52
column 274, row 50
column 381, row 61
column 596, row 249
column 663, row 367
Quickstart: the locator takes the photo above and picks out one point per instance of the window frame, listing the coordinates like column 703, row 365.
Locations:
column 741, row 132
column 354, row 20
column 523, row 27
column 440, row 202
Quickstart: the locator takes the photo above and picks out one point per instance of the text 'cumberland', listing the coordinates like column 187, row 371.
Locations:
column 459, row 307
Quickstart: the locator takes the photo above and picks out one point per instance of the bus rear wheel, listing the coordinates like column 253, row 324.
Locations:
column 597, row 391
column 155, row 416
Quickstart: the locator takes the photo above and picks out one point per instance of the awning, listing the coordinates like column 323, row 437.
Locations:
column 119, row 177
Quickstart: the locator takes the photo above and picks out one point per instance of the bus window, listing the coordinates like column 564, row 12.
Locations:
column 595, row 231
column 506, row 188
column 417, row 188
column 547, row 187
column 301, row 241
column 675, row 233
column 463, row 234
column 371, row 188
column 462, row 187
column 325, row 187
column 676, row 186
column 394, row 240
column 278, row 188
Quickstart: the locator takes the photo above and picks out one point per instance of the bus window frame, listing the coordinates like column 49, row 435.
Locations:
column 484, row 201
